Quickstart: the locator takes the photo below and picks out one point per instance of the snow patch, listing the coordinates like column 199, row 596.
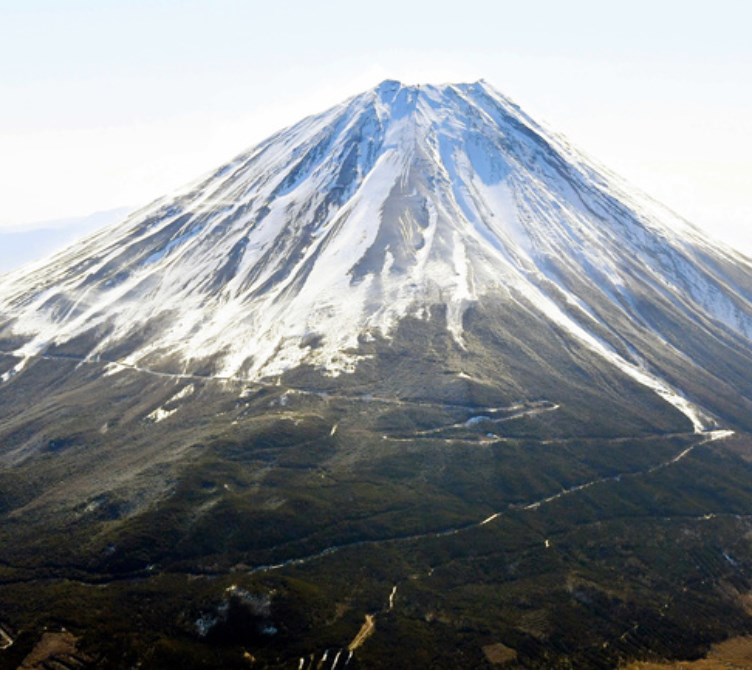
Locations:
column 160, row 414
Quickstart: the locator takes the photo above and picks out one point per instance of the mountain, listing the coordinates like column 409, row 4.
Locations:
column 417, row 332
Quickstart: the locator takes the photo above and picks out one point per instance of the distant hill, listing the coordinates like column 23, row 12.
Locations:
column 39, row 239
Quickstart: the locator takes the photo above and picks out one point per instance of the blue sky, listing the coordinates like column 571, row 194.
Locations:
column 115, row 103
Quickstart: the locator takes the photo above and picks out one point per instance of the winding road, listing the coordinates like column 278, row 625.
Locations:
column 705, row 438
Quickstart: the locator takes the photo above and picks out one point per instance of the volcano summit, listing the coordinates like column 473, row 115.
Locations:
column 415, row 358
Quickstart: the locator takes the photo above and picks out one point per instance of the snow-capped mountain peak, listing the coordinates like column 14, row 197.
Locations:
column 400, row 200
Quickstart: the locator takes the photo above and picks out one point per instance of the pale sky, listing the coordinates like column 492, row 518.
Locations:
column 105, row 104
